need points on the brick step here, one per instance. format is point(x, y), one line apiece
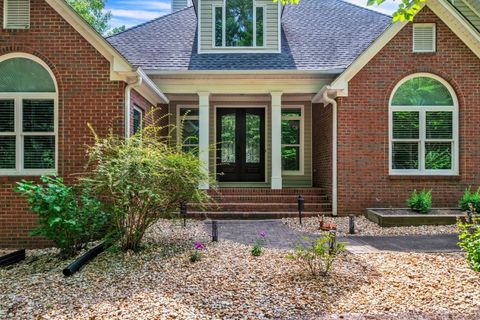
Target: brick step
point(267, 191)
point(267, 198)
point(252, 215)
point(263, 207)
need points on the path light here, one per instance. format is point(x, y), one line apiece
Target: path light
point(333, 241)
point(351, 221)
point(214, 231)
point(301, 207)
point(183, 212)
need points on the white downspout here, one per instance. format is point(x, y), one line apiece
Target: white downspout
point(128, 90)
point(327, 100)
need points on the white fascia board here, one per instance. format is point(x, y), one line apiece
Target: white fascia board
point(332, 71)
point(118, 64)
point(150, 91)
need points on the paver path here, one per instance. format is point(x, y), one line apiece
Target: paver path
point(279, 236)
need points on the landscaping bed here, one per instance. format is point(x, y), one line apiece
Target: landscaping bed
point(160, 282)
point(397, 217)
point(365, 227)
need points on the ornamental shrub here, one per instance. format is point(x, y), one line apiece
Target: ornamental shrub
point(142, 179)
point(69, 216)
point(420, 202)
point(469, 239)
point(470, 198)
point(318, 255)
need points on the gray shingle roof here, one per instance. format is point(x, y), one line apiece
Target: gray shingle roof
point(316, 35)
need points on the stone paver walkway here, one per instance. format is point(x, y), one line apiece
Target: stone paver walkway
point(279, 236)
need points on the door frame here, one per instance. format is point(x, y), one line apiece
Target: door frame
point(239, 106)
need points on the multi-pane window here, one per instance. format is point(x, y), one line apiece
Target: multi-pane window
point(292, 139)
point(27, 118)
point(137, 120)
point(424, 132)
point(189, 129)
point(239, 23)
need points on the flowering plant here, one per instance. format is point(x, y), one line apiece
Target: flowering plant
point(257, 247)
point(198, 247)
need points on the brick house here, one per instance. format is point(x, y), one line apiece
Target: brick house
point(324, 99)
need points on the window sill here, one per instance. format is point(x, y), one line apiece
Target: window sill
point(425, 177)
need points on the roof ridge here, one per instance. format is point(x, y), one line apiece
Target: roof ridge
point(364, 8)
point(148, 22)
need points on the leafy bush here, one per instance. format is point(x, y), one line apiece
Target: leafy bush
point(420, 202)
point(143, 179)
point(68, 216)
point(258, 245)
point(469, 239)
point(318, 255)
point(470, 198)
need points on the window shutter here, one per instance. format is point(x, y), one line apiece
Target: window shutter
point(424, 37)
point(16, 14)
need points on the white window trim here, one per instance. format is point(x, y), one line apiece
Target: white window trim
point(422, 110)
point(137, 108)
point(254, 46)
point(179, 120)
point(18, 96)
point(434, 49)
point(301, 170)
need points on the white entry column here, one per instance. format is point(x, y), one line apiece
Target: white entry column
point(276, 182)
point(203, 143)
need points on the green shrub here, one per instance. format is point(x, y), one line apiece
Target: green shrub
point(420, 202)
point(68, 215)
point(256, 250)
point(469, 240)
point(470, 198)
point(319, 254)
point(143, 179)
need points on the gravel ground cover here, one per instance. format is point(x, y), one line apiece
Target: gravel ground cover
point(365, 227)
point(228, 283)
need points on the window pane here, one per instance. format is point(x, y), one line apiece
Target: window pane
point(438, 155)
point(439, 125)
point(137, 121)
point(7, 116)
point(406, 125)
point(38, 116)
point(194, 112)
point(39, 152)
point(191, 132)
point(405, 155)
point(24, 75)
point(259, 17)
point(290, 131)
point(228, 135)
point(291, 113)
point(422, 91)
point(253, 138)
point(218, 26)
point(7, 152)
point(291, 158)
point(239, 23)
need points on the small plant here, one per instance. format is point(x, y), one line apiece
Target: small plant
point(470, 198)
point(420, 202)
point(319, 254)
point(258, 245)
point(196, 254)
point(469, 238)
point(68, 215)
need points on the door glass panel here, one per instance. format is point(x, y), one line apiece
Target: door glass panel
point(228, 122)
point(252, 135)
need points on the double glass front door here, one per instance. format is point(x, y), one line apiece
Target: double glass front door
point(241, 144)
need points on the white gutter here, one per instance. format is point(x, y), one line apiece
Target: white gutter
point(147, 81)
point(128, 91)
point(326, 101)
point(331, 71)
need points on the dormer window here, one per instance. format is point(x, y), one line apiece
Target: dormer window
point(239, 23)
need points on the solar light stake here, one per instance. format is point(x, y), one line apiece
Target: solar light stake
point(301, 207)
point(214, 231)
point(183, 212)
point(351, 220)
point(333, 241)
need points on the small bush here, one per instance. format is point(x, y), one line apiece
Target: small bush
point(68, 215)
point(258, 245)
point(469, 239)
point(470, 198)
point(318, 255)
point(195, 255)
point(420, 202)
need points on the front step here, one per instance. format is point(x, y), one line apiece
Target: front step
point(232, 215)
point(267, 191)
point(263, 207)
point(267, 198)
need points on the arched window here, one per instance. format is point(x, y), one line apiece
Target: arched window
point(28, 116)
point(423, 127)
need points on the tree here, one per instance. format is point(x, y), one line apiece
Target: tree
point(406, 8)
point(93, 12)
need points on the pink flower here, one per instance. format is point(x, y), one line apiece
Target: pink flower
point(199, 246)
point(263, 233)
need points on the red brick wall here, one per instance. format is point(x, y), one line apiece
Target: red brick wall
point(322, 147)
point(363, 122)
point(86, 95)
